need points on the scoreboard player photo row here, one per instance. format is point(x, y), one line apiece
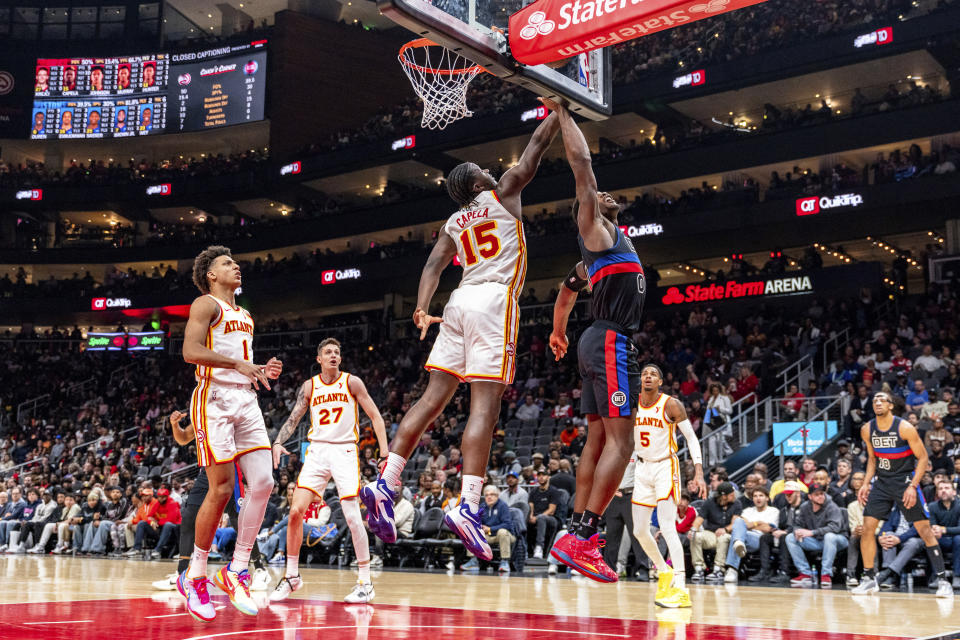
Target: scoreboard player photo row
point(142, 95)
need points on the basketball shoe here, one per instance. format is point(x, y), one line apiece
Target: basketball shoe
point(168, 583)
point(584, 556)
point(198, 599)
point(362, 592)
point(867, 585)
point(378, 499)
point(237, 586)
point(677, 598)
point(664, 584)
point(466, 524)
point(285, 587)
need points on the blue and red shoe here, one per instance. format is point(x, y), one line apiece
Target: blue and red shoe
point(467, 525)
point(194, 590)
point(378, 499)
point(583, 556)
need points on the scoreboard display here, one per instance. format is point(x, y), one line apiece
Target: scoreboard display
point(149, 94)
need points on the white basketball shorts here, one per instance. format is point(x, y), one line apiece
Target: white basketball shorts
point(656, 481)
point(228, 422)
point(324, 461)
point(478, 335)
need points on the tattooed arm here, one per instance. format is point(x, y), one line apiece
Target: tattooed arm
point(290, 425)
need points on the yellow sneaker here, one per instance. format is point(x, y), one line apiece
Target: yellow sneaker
point(664, 584)
point(237, 586)
point(676, 599)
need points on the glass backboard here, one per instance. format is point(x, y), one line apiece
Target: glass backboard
point(476, 29)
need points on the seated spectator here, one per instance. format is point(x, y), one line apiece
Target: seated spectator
point(939, 460)
point(938, 433)
point(45, 513)
point(822, 478)
point(563, 409)
point(861, 411)
point(945, 521)
point(568, 433)
point(432, 499)
point(529, 410)
point(69, 519)
point(792, 402)
point(510, 464)
point(454, 463)
point(819, 526)
point(273, 542)
point(437, 460)
point(91, 512)
point(403, 515)
point(544, 502)
point(927, 361)
point(808, 470)
point(899, 542)
point(451, 494)
point(840, 488)
point(18, 536)
point(10, 516)
point(498, 527)
point(755, 522)
point(514, 495)
point(711, 530)
point(936, 408)
point(746, 491)
point(223, 538)
point(918, 397)
point(790, 474)
point(563, 478)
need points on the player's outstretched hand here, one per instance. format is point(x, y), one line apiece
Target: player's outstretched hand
point(552, 104)
point(254, 373)
point(278, 450)
point(423, 320)
point(909, 497)
point(273, 368)
point(559, 345)
point(863, 493)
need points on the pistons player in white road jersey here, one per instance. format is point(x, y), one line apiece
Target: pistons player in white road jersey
point(332, 398)
point(229, 427)
point(657, 481)
point(477, 339)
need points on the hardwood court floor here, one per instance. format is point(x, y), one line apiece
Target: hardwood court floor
point(87, 598)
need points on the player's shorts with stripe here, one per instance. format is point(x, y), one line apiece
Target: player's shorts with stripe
point(478, 335)
point(887, 493)
point(228, 422)
point(326, 460)
point(655, 481)
point(610, 371)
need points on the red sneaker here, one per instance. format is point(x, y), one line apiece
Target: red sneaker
point(826, 582)
point(802, 581)
point(583, 556)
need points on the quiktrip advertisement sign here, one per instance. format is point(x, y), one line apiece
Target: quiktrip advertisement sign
point(549, 30)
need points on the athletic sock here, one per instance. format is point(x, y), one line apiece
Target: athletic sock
point(575, 519)
point(471, 489)
point(679, 580)
point(870, 573)
point(588, 525)
point(363, 571)
point(936, 561)
point(241, 558)
point(198, 563)
point(182, 565)
point(293, 566)
point(391, 472)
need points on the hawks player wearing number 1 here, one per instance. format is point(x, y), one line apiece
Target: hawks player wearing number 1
point(478, 332)
point(332, 397)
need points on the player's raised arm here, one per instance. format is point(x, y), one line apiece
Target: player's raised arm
point(441, 255)
point(678, 415)
point(203, 312)
point(182, 435)
point(359, 391)
point(299, 408)
point(589, 221)
point(871, 464)
point(566, 299)
point(513, 181)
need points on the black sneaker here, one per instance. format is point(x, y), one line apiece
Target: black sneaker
point(715, 577)
point(697, 575)
point(779, 578)
point(888, 580)
point(762, 576)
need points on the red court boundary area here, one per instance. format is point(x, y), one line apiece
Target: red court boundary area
point(164, 617)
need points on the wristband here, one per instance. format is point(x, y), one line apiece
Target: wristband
point(574, 282)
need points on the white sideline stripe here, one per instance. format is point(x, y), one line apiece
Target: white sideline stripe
point(185, 613)
point(58, 622)
point(411, 626)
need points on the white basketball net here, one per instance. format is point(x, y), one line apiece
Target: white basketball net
point(440, 77)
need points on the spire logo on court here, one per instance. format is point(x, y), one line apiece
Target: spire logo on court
point(538, 25)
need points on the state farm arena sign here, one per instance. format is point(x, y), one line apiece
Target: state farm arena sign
point(734, 290)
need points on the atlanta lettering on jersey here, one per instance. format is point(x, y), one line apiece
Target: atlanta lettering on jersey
point(237, 325)
point(330, 397)
point(650, 421)
point(465, 219)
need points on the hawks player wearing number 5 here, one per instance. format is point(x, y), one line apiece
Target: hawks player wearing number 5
point(229, 428)
point(478, 332)
point(898, 459)
point(332, 397)
point(657, 481)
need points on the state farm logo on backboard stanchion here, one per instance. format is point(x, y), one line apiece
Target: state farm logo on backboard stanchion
point(537, 25)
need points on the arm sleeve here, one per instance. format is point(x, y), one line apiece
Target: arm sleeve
point(693, 443)
point(574, 282)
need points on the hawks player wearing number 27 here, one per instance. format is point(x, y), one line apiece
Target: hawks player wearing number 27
point(478, 331)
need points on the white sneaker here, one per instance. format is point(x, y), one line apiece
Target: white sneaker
point(732, 576)
point(3, 548)
point(362, 592)
point(740, 548)
point(867, 585)
point(944, 589)
point(376, 562)
point(551, 569)
point(39, 550)
point(285, 587)
point(538, 552)
point(167, 584)
point(261, 580)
